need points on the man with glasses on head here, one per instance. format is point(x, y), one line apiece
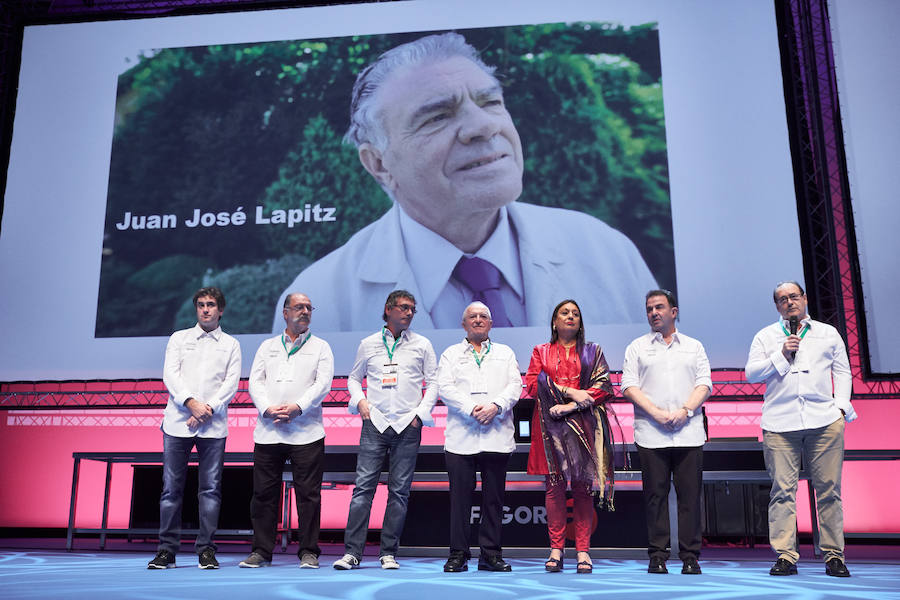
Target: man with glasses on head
point(480, 382)
point(201, 373)
point(808, 385)
point(291, 374)
point(394, 362)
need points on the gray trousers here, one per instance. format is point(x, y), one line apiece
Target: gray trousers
point(823, 450)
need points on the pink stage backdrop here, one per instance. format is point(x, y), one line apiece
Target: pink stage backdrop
point(37, 447)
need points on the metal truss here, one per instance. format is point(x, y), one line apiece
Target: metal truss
point(728, 384)
point(805, 88)
point(150, 393)
point(823, 191)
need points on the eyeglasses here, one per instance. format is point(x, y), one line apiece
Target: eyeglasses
point(781, 301)
point(411, 308)
point(302, 307)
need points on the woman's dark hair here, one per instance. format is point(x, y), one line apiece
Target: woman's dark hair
point(579, 337)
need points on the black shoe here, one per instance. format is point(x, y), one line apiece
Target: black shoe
point(783, 566)
point(836, 568)
point(493, 562)
point(207, 560)
point(657, 565)
point(456, 564)
point(690, 566)
point(553, 565)
point(163, 560)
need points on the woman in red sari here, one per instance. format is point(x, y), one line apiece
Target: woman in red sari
point(570, 439)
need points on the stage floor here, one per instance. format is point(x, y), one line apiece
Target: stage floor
point(50, 573)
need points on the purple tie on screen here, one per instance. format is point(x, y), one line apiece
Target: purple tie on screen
point(483, 279)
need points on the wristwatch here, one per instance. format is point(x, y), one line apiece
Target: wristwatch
point(689, 412)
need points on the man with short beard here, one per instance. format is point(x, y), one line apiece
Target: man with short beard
point(291, 374)
point(808, 385)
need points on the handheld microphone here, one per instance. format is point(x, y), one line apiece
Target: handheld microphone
point(794, 321)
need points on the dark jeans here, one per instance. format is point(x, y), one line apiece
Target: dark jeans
point(685, 468)
point(176, 450)
point(461, 472)
point(307, 465)
point(401, 450)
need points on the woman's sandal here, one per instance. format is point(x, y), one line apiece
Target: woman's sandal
point(553, 565)
point(584, 567)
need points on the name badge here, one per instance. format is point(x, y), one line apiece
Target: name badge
point(478, 387)
point(800, 365)
point(389, 375)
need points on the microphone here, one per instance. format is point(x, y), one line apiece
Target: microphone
point(794, 321)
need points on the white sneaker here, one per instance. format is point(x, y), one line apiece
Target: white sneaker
point(346, 562)
point(389, 562)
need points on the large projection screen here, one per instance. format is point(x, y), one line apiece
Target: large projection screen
point(701, 136)
point(865, 50)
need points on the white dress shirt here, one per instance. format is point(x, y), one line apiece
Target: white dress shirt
point(280, 375)
point(463, 385)
point(395, 405)
point(375, 260)
point(809, 392)
point(667, 374)
point(441, 295)
point(205, 366)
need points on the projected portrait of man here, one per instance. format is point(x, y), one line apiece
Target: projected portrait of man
point(429, 121)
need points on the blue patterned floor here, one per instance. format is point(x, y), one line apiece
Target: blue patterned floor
point(51, 574)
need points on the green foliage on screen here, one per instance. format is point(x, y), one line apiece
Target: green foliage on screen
point(249, 304)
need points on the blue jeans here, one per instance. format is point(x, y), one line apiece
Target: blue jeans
point(401, 450)
point(211, 452)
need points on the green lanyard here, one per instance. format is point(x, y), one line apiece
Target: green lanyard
point(390, 351)
point(480, 358)
point(293, 351)
point(802, 333)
